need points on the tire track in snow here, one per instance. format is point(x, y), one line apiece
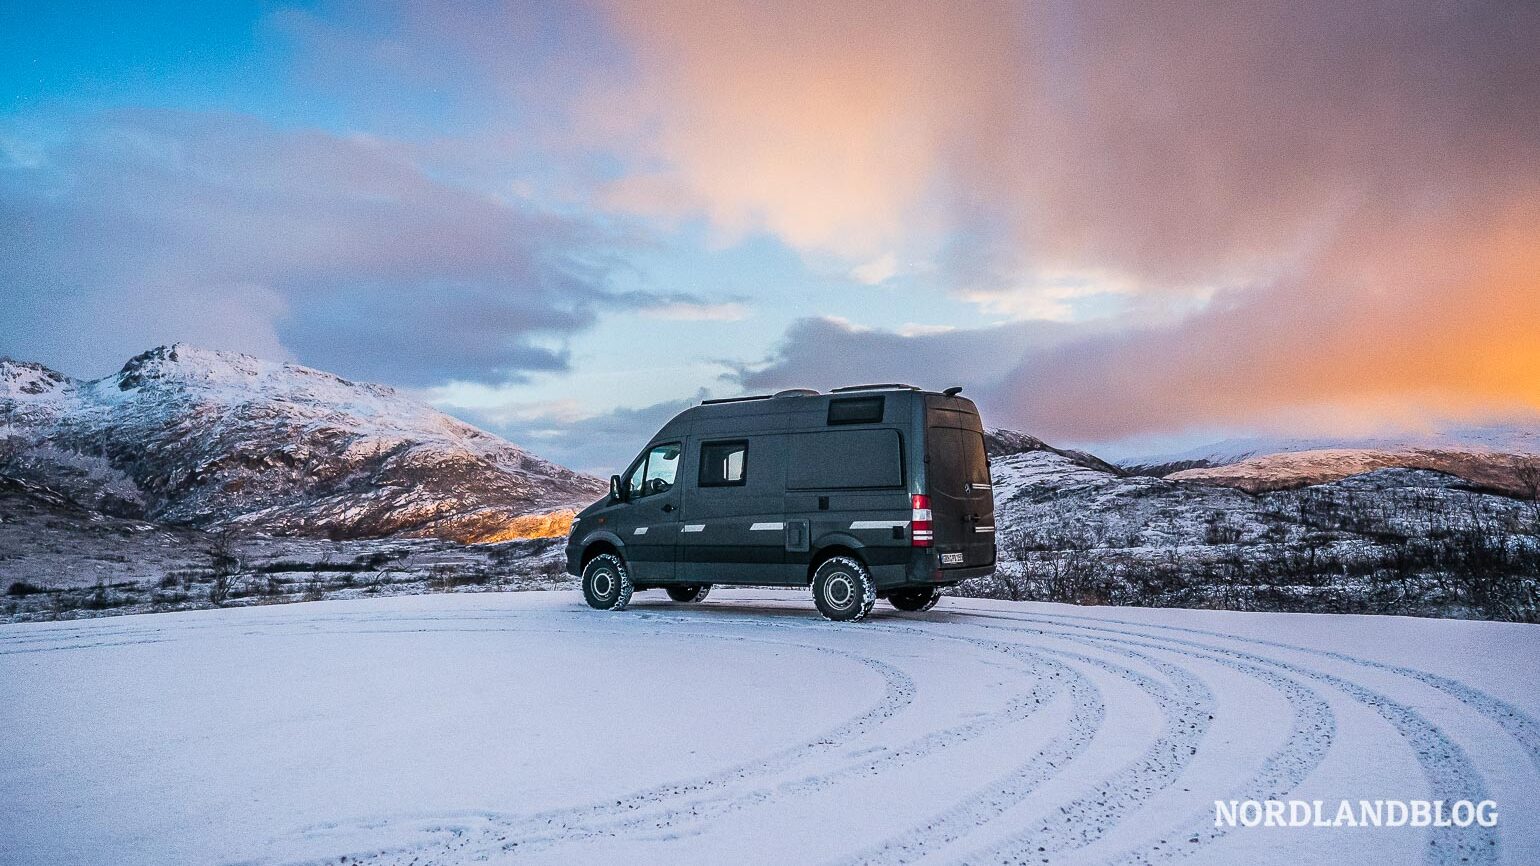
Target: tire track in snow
point(1447, 768)
point(899, 691)
point(575, 821)
point(1172, 750)
point(699, 811)
point(1312, 732)
point(1523, 728)
point(1186, 710)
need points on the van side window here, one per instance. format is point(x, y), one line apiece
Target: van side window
point(656, 473)
point(845, 459)
point(856, 410)
point(723, 464)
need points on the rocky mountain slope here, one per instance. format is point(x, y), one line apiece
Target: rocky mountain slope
point(1387, 540)
point(198, 438)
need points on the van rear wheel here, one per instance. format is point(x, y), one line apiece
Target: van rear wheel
point(843, 589)
point(915, 599)
point(606, 583)
point(688, 594)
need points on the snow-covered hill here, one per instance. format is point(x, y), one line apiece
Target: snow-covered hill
point(999, 442)
point(1500, 456)
point(203, 438)
point(525, 728)
point(1388, 540)
point(1516, 473)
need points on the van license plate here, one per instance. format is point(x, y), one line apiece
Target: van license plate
point(951, 559)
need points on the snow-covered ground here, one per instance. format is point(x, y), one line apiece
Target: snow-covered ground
point(524, 727)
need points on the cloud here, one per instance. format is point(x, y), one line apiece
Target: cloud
point(697, 311)
point(829, 352)
point(1279, 210)
point(1439, 323)
point(876, 271)
point(601, 444)
point(146, 227)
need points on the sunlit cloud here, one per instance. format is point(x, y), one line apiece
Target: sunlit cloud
point(1277, 209)
point(876, 271)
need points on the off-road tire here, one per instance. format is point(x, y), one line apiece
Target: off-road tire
point(607, 572)
point(915, 599)
point(843, 589)
point(689, 594)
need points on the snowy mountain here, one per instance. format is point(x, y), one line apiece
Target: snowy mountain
point(1503, 457)
point(202, 438)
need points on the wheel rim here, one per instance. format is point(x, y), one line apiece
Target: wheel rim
point(838, 590)
point(603, 583)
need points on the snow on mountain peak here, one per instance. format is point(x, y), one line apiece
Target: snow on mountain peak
point(23, 380)
point(213, 437)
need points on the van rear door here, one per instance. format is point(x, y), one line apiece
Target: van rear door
point(962, 502)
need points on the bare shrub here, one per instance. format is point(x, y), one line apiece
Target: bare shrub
point(222, 585)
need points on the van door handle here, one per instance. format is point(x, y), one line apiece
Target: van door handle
point(667, 507)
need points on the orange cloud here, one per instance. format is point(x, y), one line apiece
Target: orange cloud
point(825, 123)
point(1353, 186)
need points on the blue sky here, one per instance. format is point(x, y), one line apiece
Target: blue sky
point(566, 220)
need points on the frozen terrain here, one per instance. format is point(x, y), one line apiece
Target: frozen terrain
point(524, 727)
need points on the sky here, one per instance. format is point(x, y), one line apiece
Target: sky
point(1117, 226)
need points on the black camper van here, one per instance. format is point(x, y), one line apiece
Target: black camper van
point(872, 491)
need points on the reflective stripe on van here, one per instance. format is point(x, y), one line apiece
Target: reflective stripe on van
point(774, 526)
point(879, 524)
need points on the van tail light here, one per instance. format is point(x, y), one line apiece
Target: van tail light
point(920, 532)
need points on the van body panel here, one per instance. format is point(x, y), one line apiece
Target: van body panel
point(766, 487)
point(736, 529)
point(598, 536)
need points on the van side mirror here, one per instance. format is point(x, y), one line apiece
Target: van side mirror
point(615, 488)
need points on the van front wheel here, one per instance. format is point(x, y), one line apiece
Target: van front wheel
point(843, 589)
point(921, 598)
point(687, 594)
point(606, 583)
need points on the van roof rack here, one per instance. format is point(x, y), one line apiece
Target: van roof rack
point(735, 399)
point(885, 386)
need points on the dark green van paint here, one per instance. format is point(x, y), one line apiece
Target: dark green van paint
point(759, 490)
